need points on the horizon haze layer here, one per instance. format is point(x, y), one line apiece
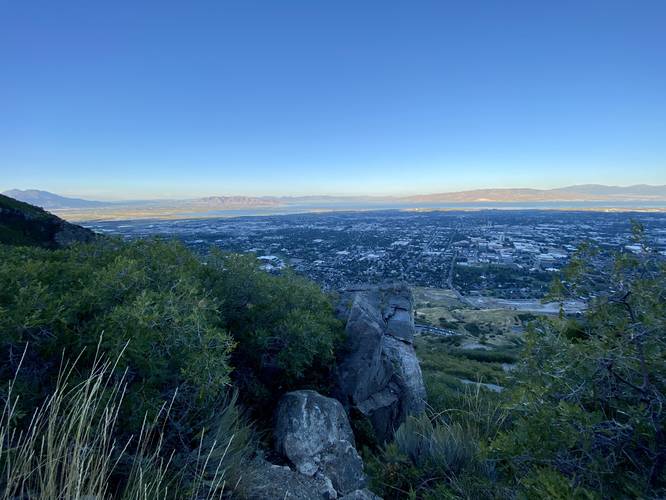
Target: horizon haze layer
point(580, 192)
point(582, 197)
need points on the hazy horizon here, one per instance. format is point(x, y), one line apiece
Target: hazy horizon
point(312, 195)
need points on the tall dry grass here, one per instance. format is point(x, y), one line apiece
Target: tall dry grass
point(69, 449)
point(480, 414)
point(449, 445)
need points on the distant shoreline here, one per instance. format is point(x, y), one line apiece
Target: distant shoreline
point(111, 215)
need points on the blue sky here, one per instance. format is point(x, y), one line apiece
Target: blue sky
point(161, 99)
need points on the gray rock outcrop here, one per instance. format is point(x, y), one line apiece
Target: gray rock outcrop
point(313, 433)
point(379, 374)
point(267, 481)
point(361, 495)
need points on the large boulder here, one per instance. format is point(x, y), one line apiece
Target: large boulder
point(313, 433)
point(378, 373)
point(363, 369)
point(406, 365)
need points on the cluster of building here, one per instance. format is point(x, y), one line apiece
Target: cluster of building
point(512, 254)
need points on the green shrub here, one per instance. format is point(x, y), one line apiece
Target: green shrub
point(494, 356)
point(588, 404)
point(183, 317)
point(149, 293)
point(284, 326)
point(445, 323)
point(473, 329)
point(544, 482)
point(431, 460)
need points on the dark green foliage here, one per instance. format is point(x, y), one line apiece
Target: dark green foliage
point(176, 320)
point(493, 356)
point(588, 410)
point(581, 417)
point(473, 328)
point(174, 310)
point(443, 455)
point(31, 211)
point(451, 325)
point(284, 326)
point(147, 296)
point(25, 224)
point(363, 432)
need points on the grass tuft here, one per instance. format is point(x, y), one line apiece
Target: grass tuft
point(69, 449)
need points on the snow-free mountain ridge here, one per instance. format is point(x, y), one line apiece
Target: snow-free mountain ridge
point(579, 193)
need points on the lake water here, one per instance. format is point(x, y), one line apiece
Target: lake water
point(355, 206)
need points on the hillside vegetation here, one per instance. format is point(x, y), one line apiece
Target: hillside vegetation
point(165, 323)
point(25, 224)
point(141, 370)
point(580, 414)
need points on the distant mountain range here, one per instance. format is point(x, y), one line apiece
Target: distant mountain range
point(581, 193)
point(47, 200)
point(51, 201)
point(584, 192)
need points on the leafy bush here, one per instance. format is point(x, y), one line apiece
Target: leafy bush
point(544, 482)
point(588, 406)
point(177, 310)
point(171, 320)
point(148, 292)
point(284, 326)
point(494, 356)
point(582, 416)
point(432, 459)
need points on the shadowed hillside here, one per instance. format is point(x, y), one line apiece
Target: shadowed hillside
point(25, 224)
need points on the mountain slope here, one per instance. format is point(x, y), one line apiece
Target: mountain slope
point(25, 224)
point(78, 209)
point(48, 200)
point(588, 192)
point(637, 191)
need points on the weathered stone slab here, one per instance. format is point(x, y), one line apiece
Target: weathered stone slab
point(379, 373)
point(313, 433)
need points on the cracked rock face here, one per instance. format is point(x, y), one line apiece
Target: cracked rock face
point(399, 317)
point(379, 373)
point(406, 365)
point(313, 432)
